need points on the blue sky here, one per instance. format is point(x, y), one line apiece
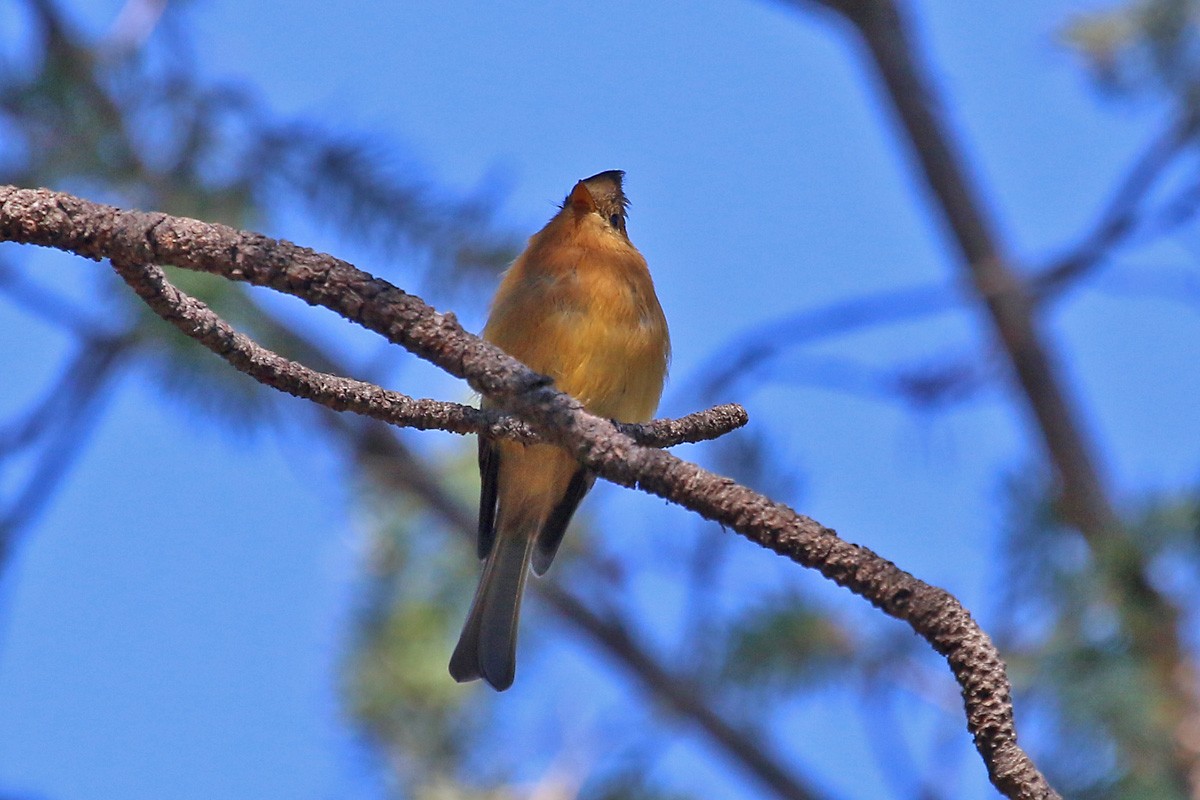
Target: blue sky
point(162, 634)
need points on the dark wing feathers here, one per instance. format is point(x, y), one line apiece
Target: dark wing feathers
point(489, 472)
point(551, 535)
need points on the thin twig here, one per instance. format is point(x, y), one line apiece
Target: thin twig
point(764, 342)
point(1121, 218)
point(684, 699)
point(195, 319)
point(88, 374)
point(1123, 214)
point(48, 305)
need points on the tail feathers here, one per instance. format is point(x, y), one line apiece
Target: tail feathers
point(487, 647)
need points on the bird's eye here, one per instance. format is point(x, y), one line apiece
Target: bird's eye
point(615, 221)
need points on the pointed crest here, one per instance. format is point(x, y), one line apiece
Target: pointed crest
point(581, 198)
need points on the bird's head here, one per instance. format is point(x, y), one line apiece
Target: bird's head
point(602, 195)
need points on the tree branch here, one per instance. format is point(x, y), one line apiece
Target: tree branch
point(133, 238)
point(1149, 618)
point(682, 698)
point(77, 395)
point(1121, 218)
point(1122, 215)
point(48, 305)
point(401, 470)
point(916, 102)
point(196, 320)
point(764, 342)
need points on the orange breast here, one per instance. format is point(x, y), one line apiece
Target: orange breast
point(585, 313)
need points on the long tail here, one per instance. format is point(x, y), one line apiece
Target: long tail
point(487, 647)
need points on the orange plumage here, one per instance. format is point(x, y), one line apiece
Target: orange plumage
point(577, 305)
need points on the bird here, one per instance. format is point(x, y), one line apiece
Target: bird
point(578, 305)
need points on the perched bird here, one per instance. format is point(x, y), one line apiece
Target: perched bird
point(579, 306)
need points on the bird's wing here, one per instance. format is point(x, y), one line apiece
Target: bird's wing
point(551, 534)
point(489, 472)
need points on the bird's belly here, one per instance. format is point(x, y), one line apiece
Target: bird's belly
point(615, 368)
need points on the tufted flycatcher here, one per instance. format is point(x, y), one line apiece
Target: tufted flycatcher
point(579, 306)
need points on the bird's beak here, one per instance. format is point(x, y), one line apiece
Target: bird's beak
point(581, 199)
